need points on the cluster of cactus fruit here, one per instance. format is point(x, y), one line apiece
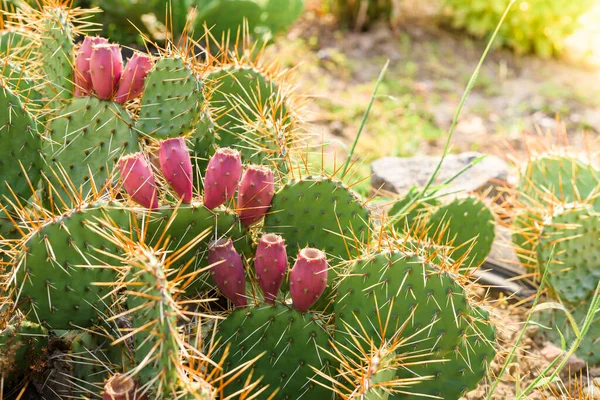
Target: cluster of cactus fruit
point(556, 231)
point(150, 216)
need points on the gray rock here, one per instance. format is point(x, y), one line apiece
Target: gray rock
point(398, 175)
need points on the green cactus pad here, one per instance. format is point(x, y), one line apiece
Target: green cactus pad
point(20, 155)
point(190, 221)
point(202, 149)
point(150, 299)
point(469, 225)
point(56, 52)
point(417, 212)
point(172, 100)
point(15, 43)
point(21, 346)
point(86, 139)
point(569, 247)
point(429, 307)
point(245, 100)
point(53, 285)
point(526, 231)
point(459, 372)
point(226, 17)
point(319, 212)
point(22, 85)
point(292, 343)
point(88, 361)
point(559, 178)
point(280, 14)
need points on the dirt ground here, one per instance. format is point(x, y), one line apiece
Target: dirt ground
point(428, 72)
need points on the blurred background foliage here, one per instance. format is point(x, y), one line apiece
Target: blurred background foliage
point(533, 26)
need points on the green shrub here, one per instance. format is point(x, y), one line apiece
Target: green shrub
point(532, 26)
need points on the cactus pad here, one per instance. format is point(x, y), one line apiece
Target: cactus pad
point(429, 307)
point(569, 248)
point(245, 100)
point(469, 225)
point(292, 343)
point(86, 139)
point(20, 346)
point(20, 157)
point(321, 213)
point(171, 103)
point(56, 52)
point(189, 221)
point(52, 282)
point(565, 178)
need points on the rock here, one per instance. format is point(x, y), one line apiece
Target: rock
point(574, 364)
point(550, 352)
point(398, 175)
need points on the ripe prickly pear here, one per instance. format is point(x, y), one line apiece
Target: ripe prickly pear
point(255, 193)
point(106, 66)
point(308, 278)
point(121, 387)
point(176, 166)
point(228, 270)
point(83, 79)
point(138, 180)
point(222, 177)
point(131, 84)
point(270, 264)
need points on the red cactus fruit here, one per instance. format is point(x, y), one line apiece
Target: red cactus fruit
point(255, 193)
point(83, 79)
point(121, 387)
point(131, 84)
point(106, 66)
point(138, 180)
point(176, 166)
point(228, 270)
point(270, 264)
point(308, 278)
point(222, 177)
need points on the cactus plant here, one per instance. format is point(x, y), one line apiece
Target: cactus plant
point(142, 291)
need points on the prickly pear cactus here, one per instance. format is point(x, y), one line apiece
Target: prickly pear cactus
point(468, 225)
point(322, 213)
point(21, 346)
point(568, 248)
point(395, 284)
point(54, 276)
point(554, 177)
point(172, 99)
point(250, 114)
point(183, 225)
point(85, 140)
point(20, 155)
point(56, 51)
point(283, 346)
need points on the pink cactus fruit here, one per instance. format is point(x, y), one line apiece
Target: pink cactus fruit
point(228, 270)
point(255, 193)
point(270, 264)
point(138, 180)
point(308, 278)
point(131, 84)
point(106, 67)
point(83, 79)
point(222, 177)
point(122, 387)
point(176, 166)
